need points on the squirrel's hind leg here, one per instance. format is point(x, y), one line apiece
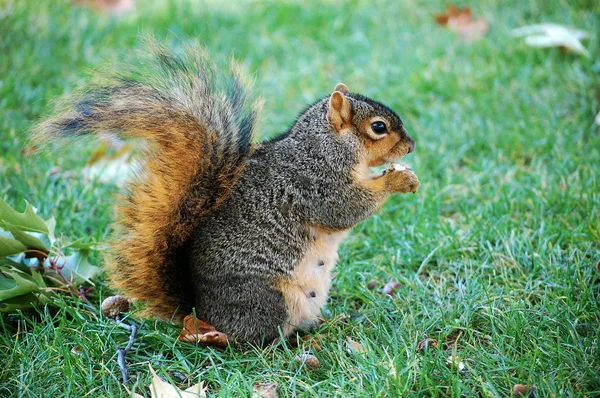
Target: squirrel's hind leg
point(247, 308)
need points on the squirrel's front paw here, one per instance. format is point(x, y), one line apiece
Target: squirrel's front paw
point(401, 179)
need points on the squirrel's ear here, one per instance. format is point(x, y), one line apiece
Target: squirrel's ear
point(340, 114)
point(342, 88)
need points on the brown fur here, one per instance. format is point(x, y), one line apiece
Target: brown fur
point(198, 139)
point(247, 235)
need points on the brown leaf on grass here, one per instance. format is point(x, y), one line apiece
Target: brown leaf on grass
point(521, 390)
point(355, 346)
point(460, 20)
point(200, 332)
point(598, 266)
point(265, 390)
point(161, 389)
point(426, 343)
point(390, 288)
point(310, 360)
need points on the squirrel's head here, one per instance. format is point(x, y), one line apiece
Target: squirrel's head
point(377, 127)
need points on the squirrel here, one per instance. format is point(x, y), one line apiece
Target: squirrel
point(244, 233)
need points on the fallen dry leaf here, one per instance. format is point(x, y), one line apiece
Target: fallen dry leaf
point(426, 343)
point(460, 20)
point(390, 288)
point(355, 346)
point(265, 390)
point(521, 390)
point(198, 331)
point(309, 359)
point(554, 35)
point(161, 389)
point(598, 266)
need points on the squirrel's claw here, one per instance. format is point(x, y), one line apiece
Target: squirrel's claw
point(401, 179)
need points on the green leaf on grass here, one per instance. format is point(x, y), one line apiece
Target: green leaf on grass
point(51, 224)
point(27, 279)
point(26, 221)
point(15, 283)
point(10, 246)
point(30, 241)
point(22, 302)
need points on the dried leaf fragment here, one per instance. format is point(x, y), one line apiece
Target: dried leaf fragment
point(354, 346)
point(522, 390)
point(554, 35)
point(426, 343)
point(390, 288)
point(309, 359)
point(161, 389)
point(198, 331)
point(460, 20)
point(265, 390)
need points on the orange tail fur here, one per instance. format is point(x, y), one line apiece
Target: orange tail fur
point(198, 127)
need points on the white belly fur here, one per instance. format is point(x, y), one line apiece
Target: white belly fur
point(307, 290)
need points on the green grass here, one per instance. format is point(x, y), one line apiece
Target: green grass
point(498, 248)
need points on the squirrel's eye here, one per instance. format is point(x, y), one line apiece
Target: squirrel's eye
point(379, 127)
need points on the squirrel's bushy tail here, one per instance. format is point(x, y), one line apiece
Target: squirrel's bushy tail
point(198, 126)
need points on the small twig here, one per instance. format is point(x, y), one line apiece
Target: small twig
point(58, 270)
point(82, 293)
point(121, 352)
point(39, 254)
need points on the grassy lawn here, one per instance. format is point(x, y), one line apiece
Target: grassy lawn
point(495, 255)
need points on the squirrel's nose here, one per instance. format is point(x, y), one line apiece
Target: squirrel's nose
point(411, 147)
